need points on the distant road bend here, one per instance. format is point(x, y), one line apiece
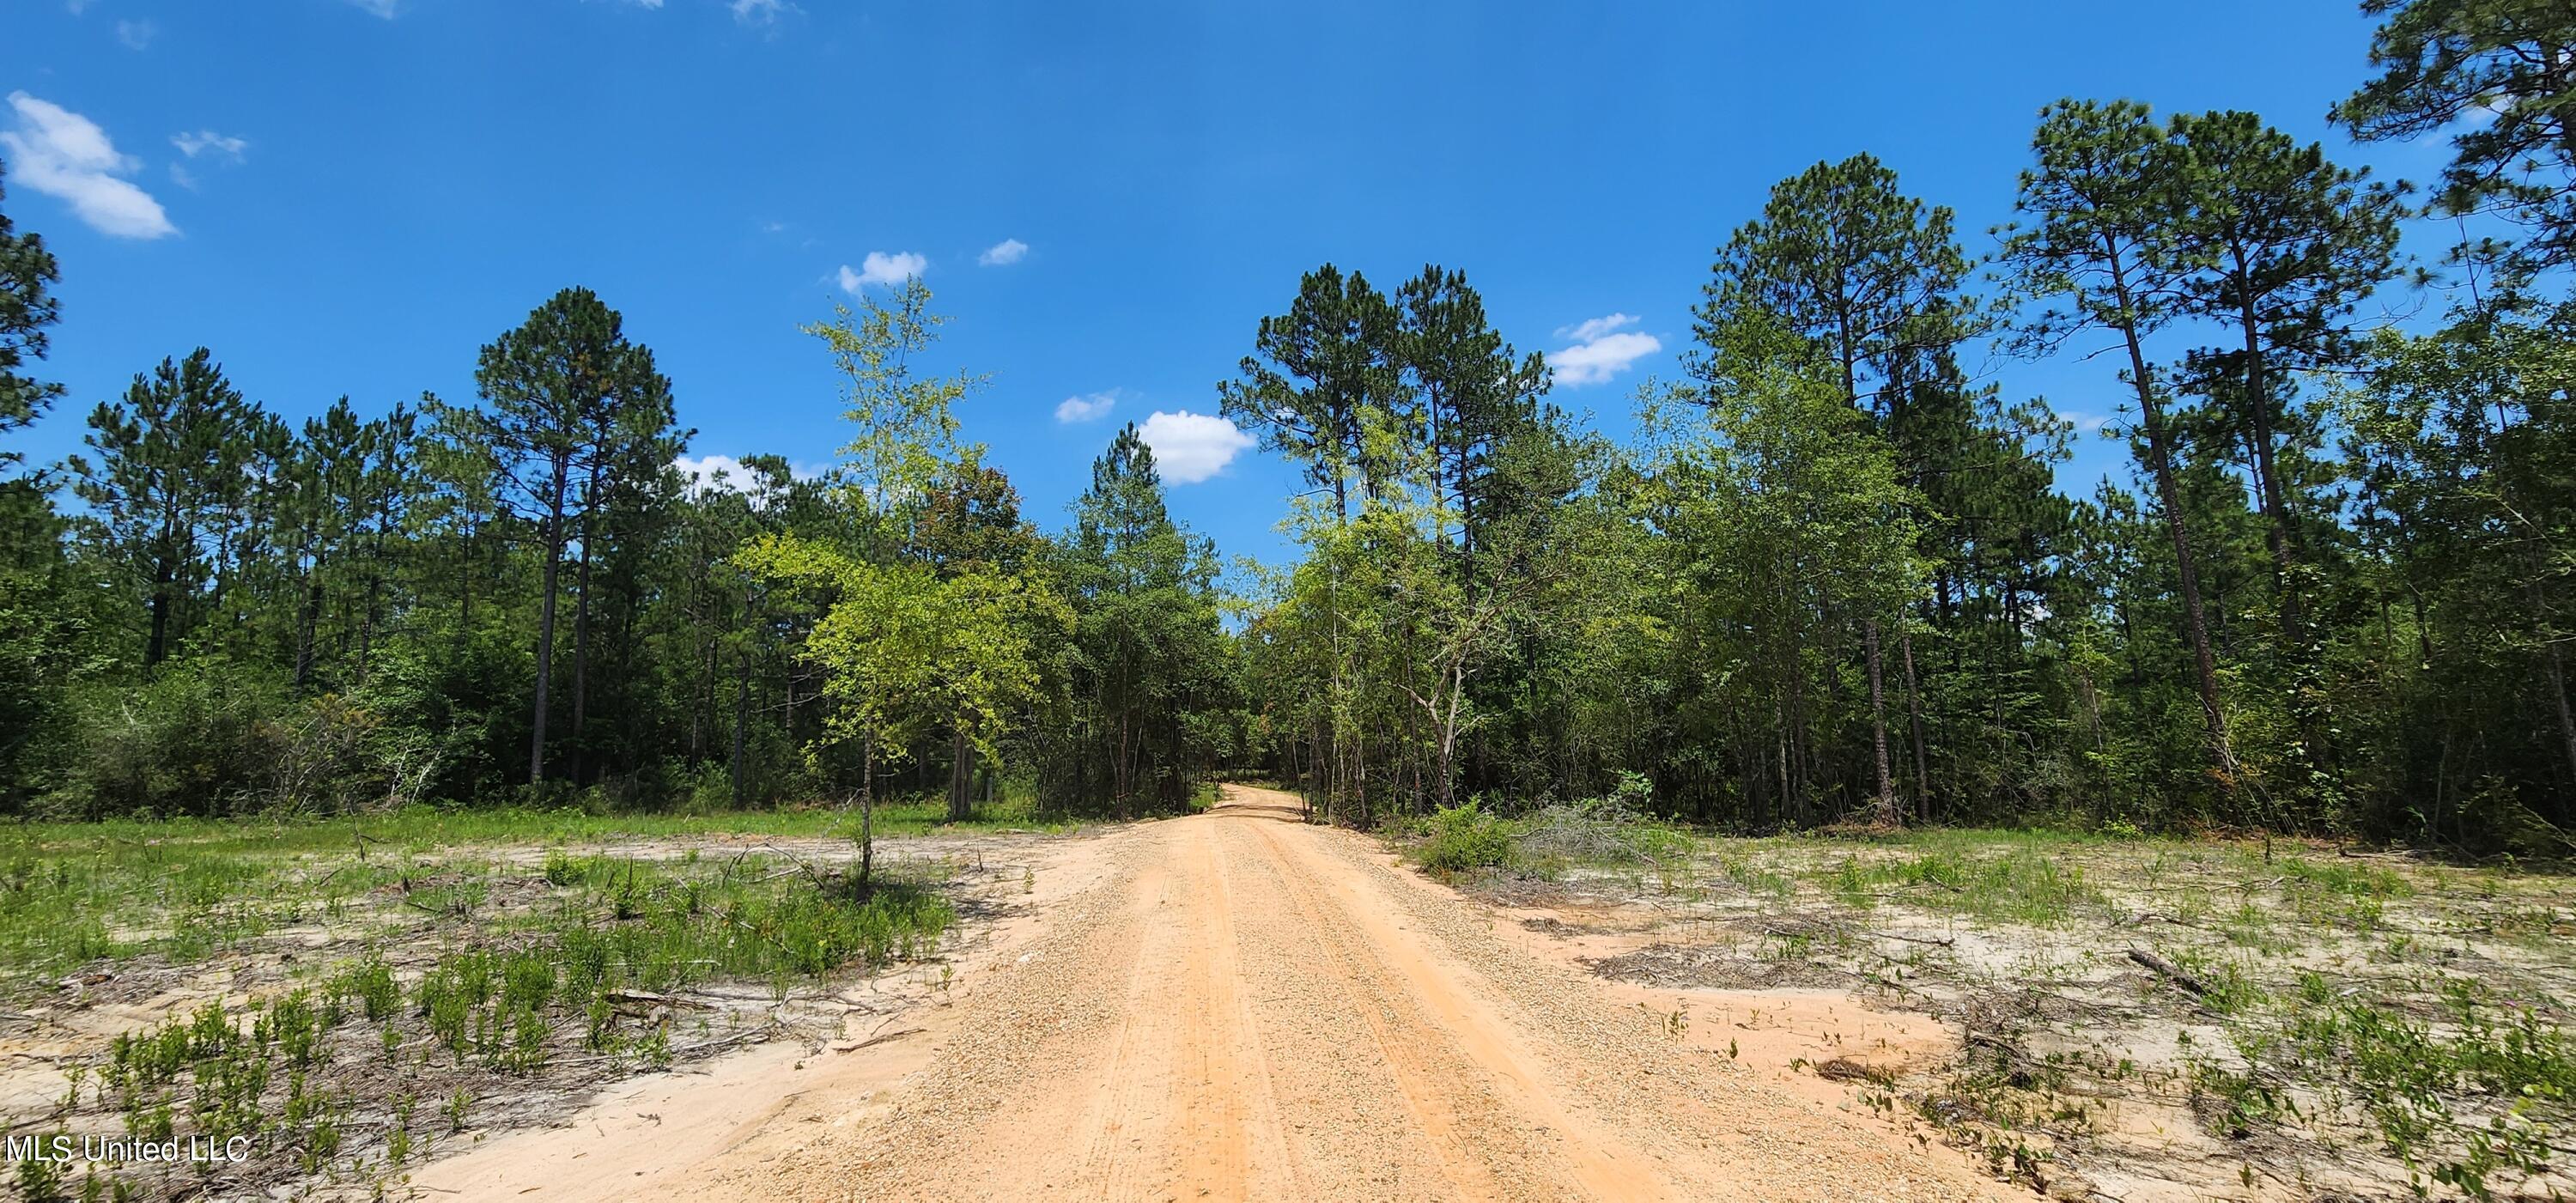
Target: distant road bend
point(1236, 1005)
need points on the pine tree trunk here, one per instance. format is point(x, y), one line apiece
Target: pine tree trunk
point(741, 720)
point(2281, 537)
point(581, 647)
point(158, 647)
point(546, 628)
point(1914, 722)
point(375, 594)
point(2222, 757)
point(311, 613)
point(1888, 813)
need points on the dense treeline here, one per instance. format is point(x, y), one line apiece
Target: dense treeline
point(523, 599)
point(1832, 578)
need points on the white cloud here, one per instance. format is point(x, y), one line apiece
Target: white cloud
point(731, 474)
point(76, 6)
point(2087, 423)
point(719, 471)
point(1188, 447)
point(1592, 330)
point(136, 34)
point(206, 140)
point(1086, 408)
point(180, 175)
point(382, 8)
point(68, 157)
point(882, 268)
point(1601, 350)
point(1004, 253)
point(760, 12)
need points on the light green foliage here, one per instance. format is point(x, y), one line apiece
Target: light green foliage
point(903, 424)
point(905, 649)
point(1782, 492)
point(2466, 1099)
point(1463, 838)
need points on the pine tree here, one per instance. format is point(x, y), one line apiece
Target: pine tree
point(27, 307)
point(568, 395)
point(169, 469)
point(1863, 280)
point(2282, 246)
point(2100, 247)
point(2500, 75)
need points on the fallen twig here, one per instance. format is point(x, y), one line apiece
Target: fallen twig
point(875, 1040)
point(2170, 971)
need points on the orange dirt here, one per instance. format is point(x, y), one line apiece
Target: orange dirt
point(1237, 1006)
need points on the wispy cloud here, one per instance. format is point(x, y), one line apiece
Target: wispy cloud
point(68, 157)
point(1188, 447)
point(387, 9)
point(1086, 408)
point(882, 268)
point(1584, 332)
point(1004, 253)
point(1602, 348)
point(760, 12)
point(136, 34)
point(206, 141)
point(2089, 423)
point(208, 145)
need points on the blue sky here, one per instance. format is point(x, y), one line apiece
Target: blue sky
point(351, 196)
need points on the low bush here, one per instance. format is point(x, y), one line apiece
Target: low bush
point(1458, 839)
point(1611, 830)
point(209, 738)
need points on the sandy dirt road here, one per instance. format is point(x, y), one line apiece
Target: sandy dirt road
point(1236, 1005)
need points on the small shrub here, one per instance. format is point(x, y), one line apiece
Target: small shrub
point(1463, 838)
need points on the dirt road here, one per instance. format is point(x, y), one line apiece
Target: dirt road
point(1236, 1005)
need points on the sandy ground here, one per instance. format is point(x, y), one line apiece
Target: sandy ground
point(1237, 1006)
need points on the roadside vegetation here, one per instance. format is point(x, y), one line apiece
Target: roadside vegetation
point(2142, 1017)
point(351, 997)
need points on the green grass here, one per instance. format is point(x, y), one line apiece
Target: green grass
point(2016, 883)
point(74, 894)
point(461, 949)
point(525, 965)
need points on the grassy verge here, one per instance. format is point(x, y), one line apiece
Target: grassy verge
point(342, 996)
point(73, 895)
